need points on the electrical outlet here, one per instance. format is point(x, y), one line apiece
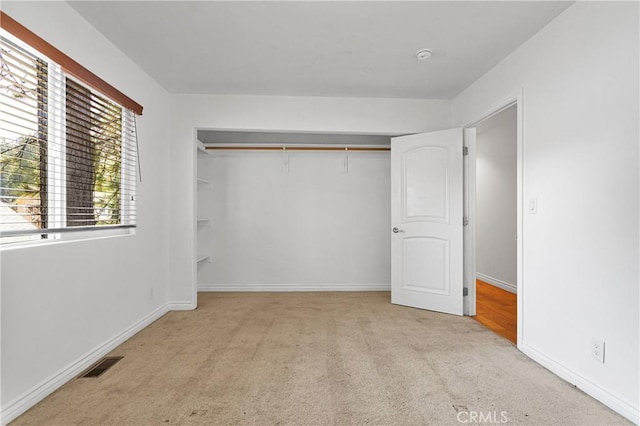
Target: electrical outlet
point(597, 349)
point(151, 293)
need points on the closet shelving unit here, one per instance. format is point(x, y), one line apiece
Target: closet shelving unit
point(202, 185)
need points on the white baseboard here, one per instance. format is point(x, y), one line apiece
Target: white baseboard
point(181, 306)
point(587, 386)
point(37, 393)
point(293, 287)
point(512, 288)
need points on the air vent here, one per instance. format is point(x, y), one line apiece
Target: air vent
point(97, 369)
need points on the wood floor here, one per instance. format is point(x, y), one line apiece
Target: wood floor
point(496, 309)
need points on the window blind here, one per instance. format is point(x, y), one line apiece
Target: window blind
point(100, 168)
point(68, 154)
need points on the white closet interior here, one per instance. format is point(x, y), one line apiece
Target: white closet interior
point(292, 211)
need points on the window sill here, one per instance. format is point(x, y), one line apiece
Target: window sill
point(76, 237)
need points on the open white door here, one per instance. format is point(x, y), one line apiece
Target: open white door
point(426, 217)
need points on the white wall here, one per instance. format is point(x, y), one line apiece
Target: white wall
point(62, 301)
point(496, 143)
point(579, 77)
point(312, 228)
point(310, 114)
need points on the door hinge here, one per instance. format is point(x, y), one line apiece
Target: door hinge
point(465, 150)
point(465, 291)
point(465, 221)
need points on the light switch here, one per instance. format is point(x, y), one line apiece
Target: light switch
point(532, 206)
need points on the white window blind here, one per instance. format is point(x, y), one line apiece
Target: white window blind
point(68, 154)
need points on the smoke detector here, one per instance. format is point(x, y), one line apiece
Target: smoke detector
point(423, 54)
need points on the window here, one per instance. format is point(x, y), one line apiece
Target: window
point(100, 169)
point(68, 154)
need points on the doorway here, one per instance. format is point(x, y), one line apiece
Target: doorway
point(496, 223)
point(512, 103)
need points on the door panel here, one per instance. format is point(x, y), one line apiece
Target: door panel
point(426, 214)
point(426, 265)
point(425, 190)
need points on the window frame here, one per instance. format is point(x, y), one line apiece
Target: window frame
point(56, 134)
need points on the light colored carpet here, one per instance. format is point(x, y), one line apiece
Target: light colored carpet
point(316, 359)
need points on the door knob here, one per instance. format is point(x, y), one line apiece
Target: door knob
point(396, 230)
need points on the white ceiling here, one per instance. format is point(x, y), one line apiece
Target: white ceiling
point(359, 49)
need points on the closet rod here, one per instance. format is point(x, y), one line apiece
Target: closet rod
point(298, 148)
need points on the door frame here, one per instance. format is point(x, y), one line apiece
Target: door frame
point(515, 98)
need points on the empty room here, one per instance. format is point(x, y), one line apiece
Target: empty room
point(319, 213)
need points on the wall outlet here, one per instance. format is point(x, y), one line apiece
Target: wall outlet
point(151, 293)
point(597, 349)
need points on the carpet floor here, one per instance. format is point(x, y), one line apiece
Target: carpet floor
point(317, 359)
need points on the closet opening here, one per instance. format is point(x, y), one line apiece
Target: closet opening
point(283, 211)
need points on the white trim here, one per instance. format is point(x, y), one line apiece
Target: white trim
point(40, 391)
point(186, 305)
point(512, 288)
point(469, 231)
point(288, 130)
point(293, 287)
point(587, 386)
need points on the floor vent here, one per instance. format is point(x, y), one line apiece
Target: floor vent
point(97, 369)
